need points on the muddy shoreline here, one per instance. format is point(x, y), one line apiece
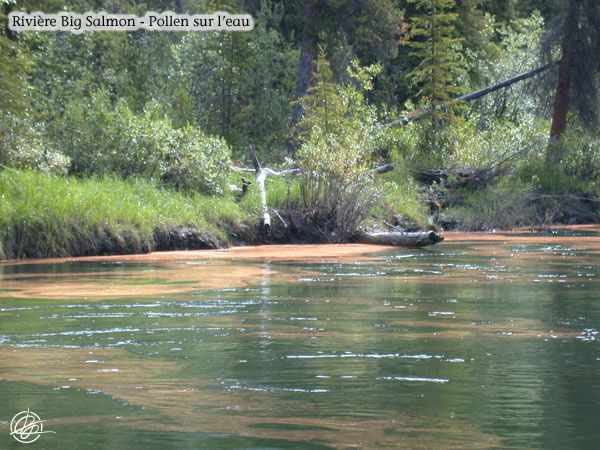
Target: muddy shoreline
point(185, 243)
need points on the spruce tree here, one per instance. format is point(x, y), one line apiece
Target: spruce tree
point(436, 44)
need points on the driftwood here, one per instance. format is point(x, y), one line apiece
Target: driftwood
point(398, 238)
point(459, 177)
point(261, 175)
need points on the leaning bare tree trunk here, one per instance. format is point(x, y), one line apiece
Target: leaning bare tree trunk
point(261, 175)
point(419, 239)
point(561, 100)
point(306, 68)
point(473, 95)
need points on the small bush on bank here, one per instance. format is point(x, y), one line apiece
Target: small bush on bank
point(506, 205)
point(582, 155)
point(400, 199)
point(22, 146)
point(338, 130)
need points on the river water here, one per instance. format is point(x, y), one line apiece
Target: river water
point(483, 341)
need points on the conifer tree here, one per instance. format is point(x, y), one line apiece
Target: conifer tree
point(436, 44)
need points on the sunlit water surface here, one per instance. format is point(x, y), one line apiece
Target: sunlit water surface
point(481, 342)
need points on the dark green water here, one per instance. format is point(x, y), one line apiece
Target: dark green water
point(470, 344)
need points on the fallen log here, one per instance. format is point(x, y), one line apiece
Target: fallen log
point(401, 239)
point(459, 177)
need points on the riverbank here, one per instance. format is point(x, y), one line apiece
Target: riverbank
point(45, 216)
point(52, 216)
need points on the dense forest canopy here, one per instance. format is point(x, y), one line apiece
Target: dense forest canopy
point(310, 87)
point(242, 87)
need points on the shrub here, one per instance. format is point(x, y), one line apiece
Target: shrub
point(506, 205)
point(22, 145)
point(101, 139)
point(336, 150)
point(582, 157)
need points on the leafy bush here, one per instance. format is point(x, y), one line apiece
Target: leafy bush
point(400, 198)
point(582, 158)
point(101, 139)
point(517, 51)
point(506, 205)
point(22, 145)
point(21, 139)
point(465, 143)
point(336, 149)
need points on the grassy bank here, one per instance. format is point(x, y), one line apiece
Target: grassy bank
point(44, 215)
point(48, 215)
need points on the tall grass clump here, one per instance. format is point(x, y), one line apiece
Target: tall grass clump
point(49, 215)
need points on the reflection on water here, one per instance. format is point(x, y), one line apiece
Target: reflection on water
point(483, 342)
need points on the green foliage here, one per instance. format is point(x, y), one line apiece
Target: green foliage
point(47, 215)
point(14, 66)
point(506, 205)
point(477, 29)
point(516, 51)
point(400, 196)
point(242, 86)
point(336, 149)
point(578, 173)
point(338, 125)
point(22, 145)
point(504, 140)
point(21, 138)
point(582, 158)
point(549, 179)
point(101, 139)
point(283, 194)
point(437, 46)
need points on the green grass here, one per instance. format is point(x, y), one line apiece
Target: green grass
point(503, 205)
point(48, 215)
point(44, 215)
point(282, 193)
point(399, 195)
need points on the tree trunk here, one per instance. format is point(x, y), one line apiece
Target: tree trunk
point(306, 68)
point(561, 100)
point(419, 239)
point(474, 95)
point(10, 34)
